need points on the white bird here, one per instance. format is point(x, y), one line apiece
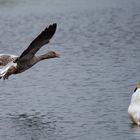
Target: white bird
point(134, 107)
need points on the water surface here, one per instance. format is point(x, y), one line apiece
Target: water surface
point(83, 95)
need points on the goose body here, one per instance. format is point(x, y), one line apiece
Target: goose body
point(14, 64)
point(134, 107)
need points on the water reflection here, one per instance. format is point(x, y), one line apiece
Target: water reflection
point(135, 129)
point(34, 126)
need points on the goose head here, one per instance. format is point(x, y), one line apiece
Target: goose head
point(52, 54)
point(48, 55)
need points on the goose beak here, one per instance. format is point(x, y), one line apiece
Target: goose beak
point(57, 55)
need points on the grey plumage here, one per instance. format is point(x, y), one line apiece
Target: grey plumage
point(27, 59)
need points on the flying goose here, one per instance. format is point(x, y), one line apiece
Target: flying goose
point(134, 107)
point(14, 64)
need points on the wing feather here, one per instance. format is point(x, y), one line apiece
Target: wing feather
point(7, 58)
point(42, 39)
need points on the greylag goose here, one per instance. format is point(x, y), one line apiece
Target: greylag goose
point(14, 64)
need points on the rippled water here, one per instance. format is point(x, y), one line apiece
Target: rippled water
point(83, 95)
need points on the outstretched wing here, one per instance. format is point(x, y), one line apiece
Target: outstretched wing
point(42, 39)
point(6, 58)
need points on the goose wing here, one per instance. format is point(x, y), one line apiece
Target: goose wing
point(42, 39)
point(7, 58)
point(4, 70)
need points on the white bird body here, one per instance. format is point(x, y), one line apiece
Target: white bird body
point(134, 107)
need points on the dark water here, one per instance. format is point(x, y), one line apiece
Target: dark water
point(83, 95)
